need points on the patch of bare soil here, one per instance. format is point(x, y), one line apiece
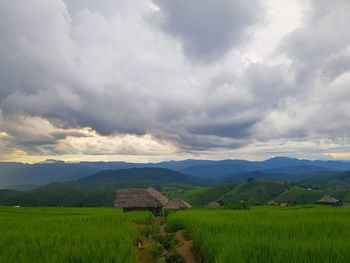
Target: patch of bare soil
point(185, 249)
point(143, 255)
point(162, 231)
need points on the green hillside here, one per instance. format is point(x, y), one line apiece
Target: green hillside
point(254, 192)
point(197, 196)
point(297, 195)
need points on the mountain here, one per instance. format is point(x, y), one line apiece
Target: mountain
point(217, 170)
point(29, 176)
point(289, 174)
point(281, 168)
point(96, 190)
point(133, 177)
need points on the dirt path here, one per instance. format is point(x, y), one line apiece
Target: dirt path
point(185, 249)
point(143, 256)
point(162, 231)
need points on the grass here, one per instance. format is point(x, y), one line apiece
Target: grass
point(68, 235)
point(268, 234)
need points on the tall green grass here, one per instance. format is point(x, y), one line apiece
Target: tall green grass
point(68, 235)
point(269, 234)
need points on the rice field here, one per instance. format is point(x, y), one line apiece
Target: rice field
point(268, 234)
point(68, 235)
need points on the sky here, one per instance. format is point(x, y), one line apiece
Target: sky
point(152, 80)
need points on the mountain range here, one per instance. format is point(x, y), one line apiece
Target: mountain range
point(199, 182)
point(22, 176)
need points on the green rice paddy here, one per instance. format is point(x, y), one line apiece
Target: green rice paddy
point(268, 234)
point(260, 234)
point(68, 235)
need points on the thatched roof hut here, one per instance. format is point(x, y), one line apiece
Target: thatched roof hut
point(141, 199)
point(272, 203)
point(177, 204)
point(214, 205)
point(328, 200)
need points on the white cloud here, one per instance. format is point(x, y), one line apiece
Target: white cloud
point(113, 69)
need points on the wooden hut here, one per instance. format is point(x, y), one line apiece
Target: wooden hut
point(214, 205)
point(329, 200)
point(140, 199)
point(177, 204)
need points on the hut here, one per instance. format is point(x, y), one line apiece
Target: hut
point(214, 205)
point(177, 204)
point(272, 203)
point(136, 199)
point(328, 200)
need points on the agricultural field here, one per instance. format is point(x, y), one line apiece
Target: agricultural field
point(68, 235)
point(268, 234)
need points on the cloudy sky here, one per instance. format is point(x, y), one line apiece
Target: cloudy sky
point(149, 80)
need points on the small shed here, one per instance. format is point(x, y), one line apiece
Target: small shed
point(329, 200)
point(177, 204)
point(136, 199)
point(214, 205)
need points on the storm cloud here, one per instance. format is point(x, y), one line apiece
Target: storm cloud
point(208, 29)
point(171, 78)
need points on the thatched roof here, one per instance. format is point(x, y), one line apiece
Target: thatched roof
point(328, 199)
point(127, 198)
point(214, 205)
point(177, 204)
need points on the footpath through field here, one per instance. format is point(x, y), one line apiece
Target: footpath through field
point(185, 250)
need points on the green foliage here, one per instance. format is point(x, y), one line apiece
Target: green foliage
point(155, 251)
point(268, 234)
point(168, 242)
point(174, 258)
point(237, 205)
point(59, 235)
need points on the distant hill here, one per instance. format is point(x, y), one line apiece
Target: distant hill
point(96, 190)
point(254, 192)
point(289, 174)
point(297, 195)
point(327, 180)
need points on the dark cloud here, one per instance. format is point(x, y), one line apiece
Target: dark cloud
point(209, 29)
point(70, 67)
point(321, 41)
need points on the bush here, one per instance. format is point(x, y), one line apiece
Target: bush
point(155, 251)
point(169, 241)
point(174, 258)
